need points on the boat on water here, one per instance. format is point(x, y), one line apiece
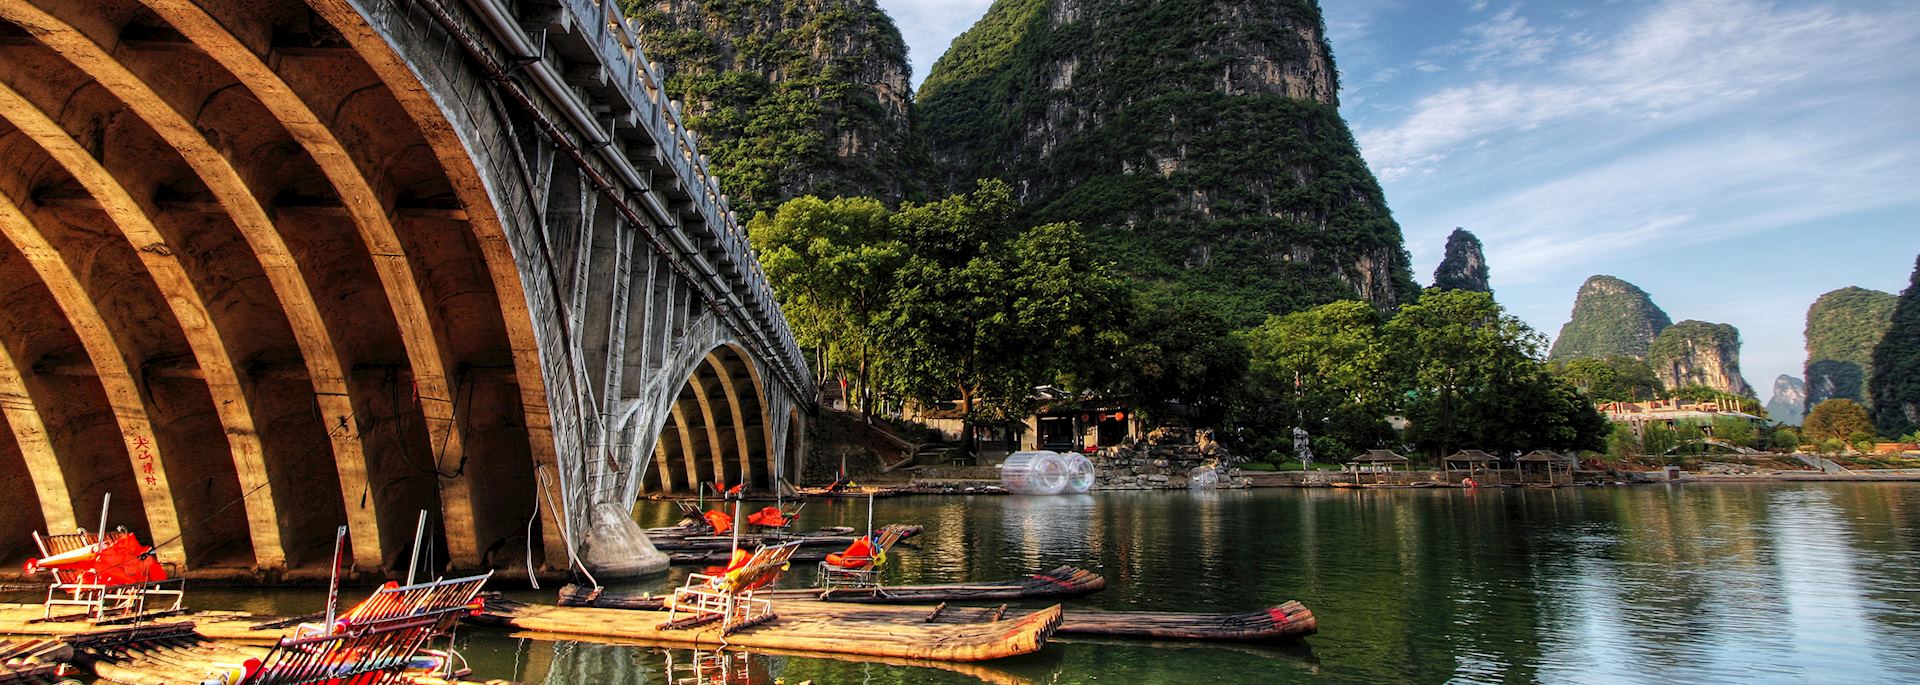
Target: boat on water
point(1059, 583)
point(1291, 620)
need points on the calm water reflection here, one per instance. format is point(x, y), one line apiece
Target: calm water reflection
point(1686, 584)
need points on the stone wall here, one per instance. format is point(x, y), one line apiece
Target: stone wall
point(1163, 467)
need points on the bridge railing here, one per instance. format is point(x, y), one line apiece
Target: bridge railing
point(641, 85)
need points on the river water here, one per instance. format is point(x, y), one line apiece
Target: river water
point(1719, 583)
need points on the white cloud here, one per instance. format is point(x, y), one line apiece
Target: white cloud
point(1506, 39)
point(1687, 194)
point(1684, 61)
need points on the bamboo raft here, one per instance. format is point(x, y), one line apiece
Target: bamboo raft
point(1066, 581)
point(182, 650)
point(1287, 621)
point(682, 538)
point(815, 627)
point(34, 661)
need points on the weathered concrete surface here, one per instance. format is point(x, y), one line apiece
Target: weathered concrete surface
point(617, 549)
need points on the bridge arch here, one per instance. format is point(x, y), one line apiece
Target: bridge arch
point(278, 265)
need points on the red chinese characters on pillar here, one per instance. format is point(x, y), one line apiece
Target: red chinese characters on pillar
point(143, 451)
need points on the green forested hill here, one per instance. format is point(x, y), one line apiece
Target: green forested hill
point(1895, 384)
point(1198, 141)
point(1843, 327)
point(790, 97)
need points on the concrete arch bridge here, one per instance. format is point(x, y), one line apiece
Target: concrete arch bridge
point(275, 266)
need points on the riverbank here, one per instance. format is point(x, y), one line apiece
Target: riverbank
point(982, 480)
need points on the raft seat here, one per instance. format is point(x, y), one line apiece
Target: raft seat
point(859, 566)
point(111, 579)
point(728, 596)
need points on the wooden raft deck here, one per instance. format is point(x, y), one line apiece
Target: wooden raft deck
point(24, 619)
point(811, 627)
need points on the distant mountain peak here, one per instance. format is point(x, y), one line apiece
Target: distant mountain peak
point(1610, 317)
point(1464, 267)
point(1788, 404)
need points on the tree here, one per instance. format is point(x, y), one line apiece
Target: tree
point(1837, 419)
point(1786, 438)
point(1473, 377)
point(1623, 442)
point(1895, 386)
point(1735, 431)
point(1657, 438)
point(1180, 358)
point(1616, 378)
point(833, 264)
point(982, 313)
point(1324, 370)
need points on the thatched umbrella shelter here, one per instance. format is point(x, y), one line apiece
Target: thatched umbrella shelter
point(1556, 468)
point(1470, 463)
point(1375, 462)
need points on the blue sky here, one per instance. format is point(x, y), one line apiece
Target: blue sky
point(1734, 158)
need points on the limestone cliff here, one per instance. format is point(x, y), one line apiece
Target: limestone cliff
point(1895, 384)
point(1610, 317)
point(1789, 402)
point(1843, 327)
point(1198, 141)
point(1697, 353)
point(1464, 267)
point(790, 98)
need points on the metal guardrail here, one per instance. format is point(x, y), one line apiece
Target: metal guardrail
point(639, 83)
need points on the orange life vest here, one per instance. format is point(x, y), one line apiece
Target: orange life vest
point(857, 555)
point(770, 517)
point(720, 521)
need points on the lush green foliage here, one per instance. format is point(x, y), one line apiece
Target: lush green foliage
point(1462, 370)
point(1786, 438)
point(774, 110)
point(1611, 317)
point(1838, 419)
point(1464, 266)
point(943, 300)
point(1895, 388)
point(1474, 379)
point(834, 262)
point(1181, 359)
point(1325, 370)
point(1618, 378)
point(982, 312)
point(1843, 327)
point(1736, 431)
point(1657, 438)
